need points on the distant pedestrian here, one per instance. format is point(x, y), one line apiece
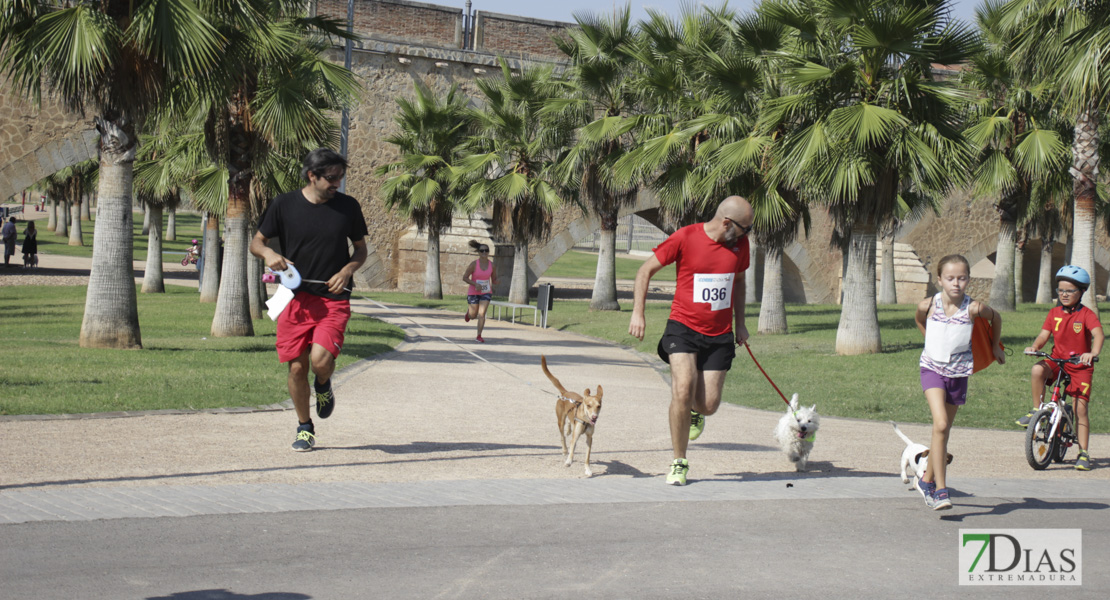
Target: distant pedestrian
point(8, 234)
point(30, 245)
point(482, 277)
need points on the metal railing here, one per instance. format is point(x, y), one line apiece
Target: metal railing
point(634, 234)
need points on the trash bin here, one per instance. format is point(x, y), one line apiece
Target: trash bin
point(545, 300)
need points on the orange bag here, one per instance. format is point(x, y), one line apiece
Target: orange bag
point(981, 352)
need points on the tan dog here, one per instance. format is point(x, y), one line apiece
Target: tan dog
point(576, 415)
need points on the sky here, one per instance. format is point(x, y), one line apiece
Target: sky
point(563, 10)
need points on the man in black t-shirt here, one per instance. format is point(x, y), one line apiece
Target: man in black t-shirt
point(313, 226)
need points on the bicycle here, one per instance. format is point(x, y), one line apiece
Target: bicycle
point(1052, 428)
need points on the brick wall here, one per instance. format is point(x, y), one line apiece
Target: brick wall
point(512, 35)
point(414, 22)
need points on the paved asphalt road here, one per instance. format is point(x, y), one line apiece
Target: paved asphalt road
point(511, 539)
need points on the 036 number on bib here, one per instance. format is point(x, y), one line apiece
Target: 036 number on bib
point(714, 289)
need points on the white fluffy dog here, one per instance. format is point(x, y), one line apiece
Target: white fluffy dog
point(796, 432)
point(915, 458)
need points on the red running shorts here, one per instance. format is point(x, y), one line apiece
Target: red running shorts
point(311, 319)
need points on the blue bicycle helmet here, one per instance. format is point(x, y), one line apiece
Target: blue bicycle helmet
point(1074, 274)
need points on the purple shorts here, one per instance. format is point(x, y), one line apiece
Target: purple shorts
point(955, 388)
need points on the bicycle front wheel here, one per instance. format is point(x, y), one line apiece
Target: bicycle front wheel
point(1039, 448)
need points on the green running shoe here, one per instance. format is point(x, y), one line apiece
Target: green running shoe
point(697, 425)
point(306, 438)
point(1083, 463)
point(325, 399)
point(679, 468)
point(1024, 421)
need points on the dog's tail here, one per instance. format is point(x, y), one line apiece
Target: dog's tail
point(900, 434)
point(558, 386)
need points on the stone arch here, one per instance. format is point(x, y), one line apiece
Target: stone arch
point(51, 157)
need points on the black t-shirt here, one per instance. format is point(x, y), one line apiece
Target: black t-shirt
point(314, 236)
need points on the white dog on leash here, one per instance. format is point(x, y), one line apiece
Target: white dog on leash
point(796, 432)
point(915, 458)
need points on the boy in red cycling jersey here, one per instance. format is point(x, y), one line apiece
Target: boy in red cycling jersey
point(1075, 330)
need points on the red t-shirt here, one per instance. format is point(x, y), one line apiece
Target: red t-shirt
point(1071, 332)
point(707, 276)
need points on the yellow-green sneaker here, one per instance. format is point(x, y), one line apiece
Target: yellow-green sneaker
point(677, 475)
point(1083, 463)
point(697, 425)
point(306, 438)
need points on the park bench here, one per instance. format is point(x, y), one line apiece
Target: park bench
point(512, 308)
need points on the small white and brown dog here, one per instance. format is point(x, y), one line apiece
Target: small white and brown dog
point(915, 458)
point(796, 432)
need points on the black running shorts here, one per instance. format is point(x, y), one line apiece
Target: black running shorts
point(715, 352)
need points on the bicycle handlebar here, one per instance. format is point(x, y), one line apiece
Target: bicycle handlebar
point(1071, 360)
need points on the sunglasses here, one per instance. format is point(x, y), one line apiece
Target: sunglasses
point(332, 178)
point(1068, 292)
point(743, 230)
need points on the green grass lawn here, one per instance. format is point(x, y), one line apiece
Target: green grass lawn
point(884, 386)
point(180, 366)
point(188, 227)
point(583, 265)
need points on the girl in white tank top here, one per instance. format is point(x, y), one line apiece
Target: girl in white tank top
point(946, 320)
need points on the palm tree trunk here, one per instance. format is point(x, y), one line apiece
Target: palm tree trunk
point(233, 315)
point(52, 214)
point(1084, 173)
point(858, 332)
point(255, 286)
point(1044, 278)
point(146, 219)
point(61, 227)
point(888, 288)
point(111, 317)
point(1002, 288)
point(210, 271)
point(518, 288)
point(171, 225)
point(433, 278)
point(772, 310)
point(1019, 272)
point(750, 279)
point(605, 277)
point(86, 207)
point(153, 278)
point(75, 236)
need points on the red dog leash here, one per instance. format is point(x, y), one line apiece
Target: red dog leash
point(765, 373)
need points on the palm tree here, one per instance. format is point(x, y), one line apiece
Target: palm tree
point(599, 95)
point(516, 154)
point(864, 117)
point(265, 105)
point(1013, 124)
point(1069, 39)
point(430, 139)
point(116, 59)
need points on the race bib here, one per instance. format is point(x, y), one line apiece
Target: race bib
point(714, 289)
point(483, 286)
